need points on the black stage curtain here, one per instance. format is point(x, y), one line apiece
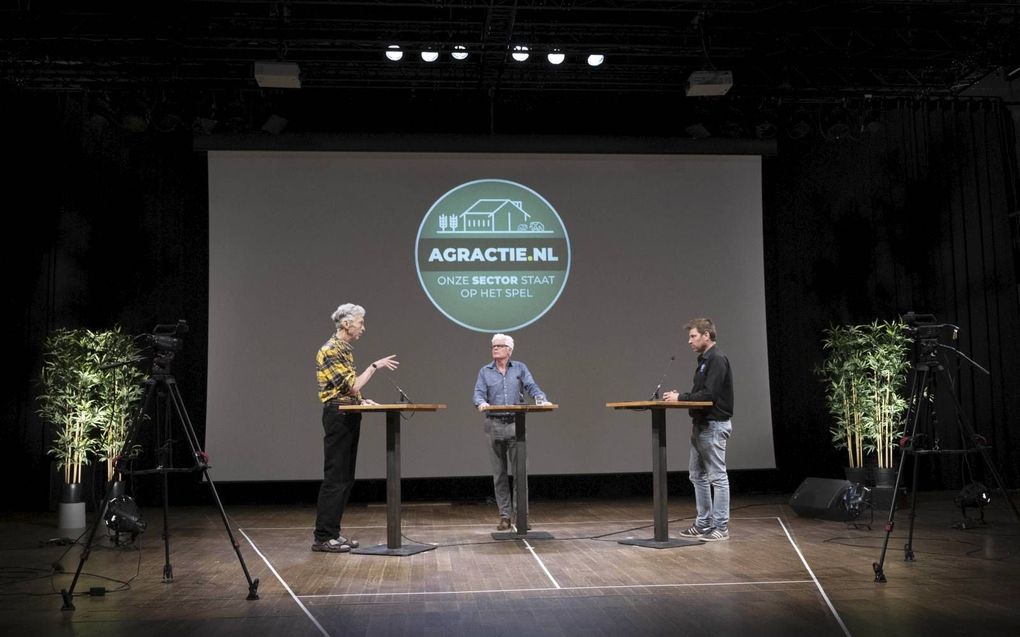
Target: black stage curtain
point(908, 212)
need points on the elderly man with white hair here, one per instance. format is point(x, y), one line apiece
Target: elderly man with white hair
point(503, 382)
point(340, 384)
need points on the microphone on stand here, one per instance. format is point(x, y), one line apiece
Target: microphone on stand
point(658, 386)
point(403, 396)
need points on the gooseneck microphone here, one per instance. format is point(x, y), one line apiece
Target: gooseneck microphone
point(658, 386)
point(403, 396)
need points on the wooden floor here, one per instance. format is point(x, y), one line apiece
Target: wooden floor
point(779, 574)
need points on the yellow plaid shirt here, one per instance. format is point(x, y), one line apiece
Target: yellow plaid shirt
point(334, 369)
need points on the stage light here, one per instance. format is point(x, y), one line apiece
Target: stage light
point(122, 516)
point(709, 83)
point(596, 59)
point(430, 56)
point(274, 125)
point(459, 52)
point(856, 500)
point(278, 74)
point(556, 57)
point(972, 496)
point(394, 53)
point(698, 130)
point(520, 53)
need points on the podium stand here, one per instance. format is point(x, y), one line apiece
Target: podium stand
point(393, 545)
point(521, 470)
point(658, 409)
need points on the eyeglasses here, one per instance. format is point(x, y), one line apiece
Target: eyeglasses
point(499, 346)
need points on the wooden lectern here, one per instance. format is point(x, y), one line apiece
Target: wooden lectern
point(393, 545)
point(658, 409)
point(521, 470)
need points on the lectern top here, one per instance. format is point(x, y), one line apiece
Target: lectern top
point(661, 404)
point(515, 408)
point(394, 407)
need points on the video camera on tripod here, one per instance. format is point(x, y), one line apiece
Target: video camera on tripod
point(119, 511)
point(165, 340)
point(926, 331)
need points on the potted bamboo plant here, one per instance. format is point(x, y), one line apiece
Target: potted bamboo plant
point(887, 363)
point(87, 399)
point(120, 388)
point(865, 372)
point(846, 392)
point(69, 403)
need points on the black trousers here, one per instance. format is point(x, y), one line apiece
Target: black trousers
point(340, 446)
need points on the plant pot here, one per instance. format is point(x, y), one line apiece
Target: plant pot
point(856, 475)
point(71, 511)
point(885, 477)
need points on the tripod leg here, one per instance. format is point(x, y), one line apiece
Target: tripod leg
point(914, 404)
point(68, 594)
point(201, 463)
point(168, 569)
point(908, 548)
point(878, 566)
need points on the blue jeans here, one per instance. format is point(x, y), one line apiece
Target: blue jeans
point(708, 474)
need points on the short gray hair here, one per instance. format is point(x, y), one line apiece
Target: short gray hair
point(347, 311)
point(503, 339)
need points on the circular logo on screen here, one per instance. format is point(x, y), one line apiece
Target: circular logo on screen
point(492, 255)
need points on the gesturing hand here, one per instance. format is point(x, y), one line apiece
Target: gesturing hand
point(390, 362)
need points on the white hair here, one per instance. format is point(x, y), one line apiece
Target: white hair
point(347, 311)
point(503, 339)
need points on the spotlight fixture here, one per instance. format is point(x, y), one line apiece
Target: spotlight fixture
point(520, 53)
point(278, 74)
point(429, 55)
point(122, 516)
point(275, 124)
point(974, 496)
point(556, 57)
point(709, 83)
point(596, 59)
point(856, 501)
point(394, 53)
point(459, 52)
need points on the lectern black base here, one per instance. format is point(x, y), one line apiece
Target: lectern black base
point(400, 551)
point(668, 543)
point(530, 535)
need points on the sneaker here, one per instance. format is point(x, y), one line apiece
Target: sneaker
point(715, 535)
point(694, 532)
point(330, 546)
point(504, 524)
point(349, 542)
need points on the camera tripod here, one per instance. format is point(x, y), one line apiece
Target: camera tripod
point(169, 409)
point(923, 439)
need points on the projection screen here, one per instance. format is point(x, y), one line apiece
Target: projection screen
point(592, 262)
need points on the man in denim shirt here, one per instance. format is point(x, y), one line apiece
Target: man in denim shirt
point(713, 380)
point(503, 382)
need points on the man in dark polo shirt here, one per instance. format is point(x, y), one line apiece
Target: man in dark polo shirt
point(713, 380)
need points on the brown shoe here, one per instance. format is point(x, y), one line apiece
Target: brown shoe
point(504, 524)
